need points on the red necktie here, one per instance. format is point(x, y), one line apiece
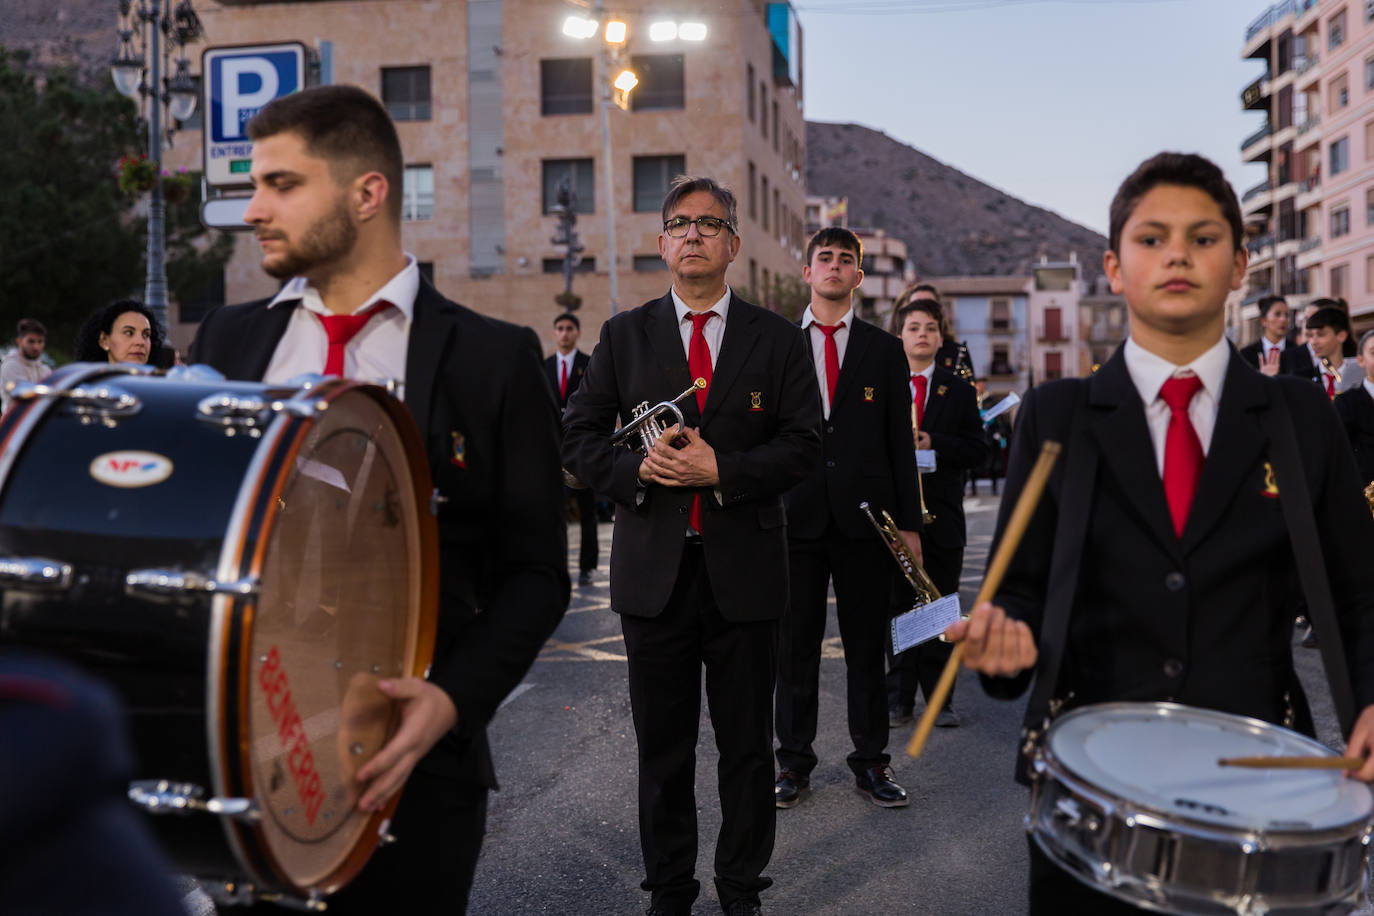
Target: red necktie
point(832, 360)
point(1330, 384)
point(563, 380)
point(699, 364)
point(341, 329)
point(920, 397)
point(1182, 448)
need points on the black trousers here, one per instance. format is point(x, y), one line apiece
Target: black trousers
point(438, 827)
point(586, 515)
point(666, 655)
point(861, 573)
point(921, 665)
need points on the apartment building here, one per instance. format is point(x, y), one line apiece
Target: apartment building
point(1310, 222)
point(1057, 350)
point(887, 273)
point(496, 106)
point(991, 314)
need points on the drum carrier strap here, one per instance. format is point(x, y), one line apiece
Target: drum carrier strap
point(1066, 560)
point(1302, 532)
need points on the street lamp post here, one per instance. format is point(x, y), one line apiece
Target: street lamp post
point(160, 28)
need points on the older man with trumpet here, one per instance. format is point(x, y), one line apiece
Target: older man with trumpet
point(699, 550)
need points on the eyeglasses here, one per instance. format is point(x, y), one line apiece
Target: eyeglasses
point(707, 226)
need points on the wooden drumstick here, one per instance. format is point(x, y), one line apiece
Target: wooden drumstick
point(1293, 763)
point(1011, 538)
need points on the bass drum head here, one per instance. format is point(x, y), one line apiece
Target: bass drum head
point(340, 607)
point(1162, 757)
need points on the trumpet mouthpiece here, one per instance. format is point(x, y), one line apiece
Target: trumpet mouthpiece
point(699, 383)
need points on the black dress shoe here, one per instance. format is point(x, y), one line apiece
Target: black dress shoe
point(787, 791)
point(877, 783)
point(659, 909)
point(897, 716)
point(947, 718)
point(743, 908)
point(584, 577)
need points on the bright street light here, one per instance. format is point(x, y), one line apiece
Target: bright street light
point(579, 27)
point(662, 31)
point(616, 32)
point(626, 80)
point(692, 31)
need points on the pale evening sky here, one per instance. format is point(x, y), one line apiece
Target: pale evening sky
point(1051, 101)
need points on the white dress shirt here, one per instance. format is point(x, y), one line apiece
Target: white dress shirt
point(1149, 373)
point(713, 330)
point(1369, 387)
point(377, 352)
point(1266, 347)
point(818, 349)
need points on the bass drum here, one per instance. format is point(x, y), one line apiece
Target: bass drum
point(243, 563)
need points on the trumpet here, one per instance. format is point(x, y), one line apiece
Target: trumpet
point(1369, 495)
point(645, 420)
point(926, 592)
point(927, 517)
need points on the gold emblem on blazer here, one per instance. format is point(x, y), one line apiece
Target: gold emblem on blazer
point(868, 394)
point(756, 400)
point(940, 392)
point(460, 450)
point(1271, 485)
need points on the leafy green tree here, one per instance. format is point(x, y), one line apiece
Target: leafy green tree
point(69, 240)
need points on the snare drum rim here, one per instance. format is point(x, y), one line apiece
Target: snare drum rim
point(257, 510)
point(1047, 762)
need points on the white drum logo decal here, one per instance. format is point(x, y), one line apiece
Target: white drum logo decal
point(131, 469)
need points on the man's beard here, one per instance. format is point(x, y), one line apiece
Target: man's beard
point(328, 240)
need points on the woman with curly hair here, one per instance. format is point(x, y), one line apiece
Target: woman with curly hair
point(124, 331)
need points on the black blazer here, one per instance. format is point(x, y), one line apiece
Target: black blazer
point(866, 448)
point(1206, 620)
point(1252, 352)
point(579, 366)
point(952, 354)
point(956, 433)
point(1296, 359)
point(502, 538)
point(1356, 410)
point(762, 413)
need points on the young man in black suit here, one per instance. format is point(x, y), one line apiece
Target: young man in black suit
point(943, 418)
point(564, 371)
point(699, 558)
point(866, 455)
point(1355, 406)
point(326, 211)
point(1182, 590)
point(1300, 359)
point(1266, 353)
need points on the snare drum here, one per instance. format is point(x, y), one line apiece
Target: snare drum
point(1128, 797)
point(243, 563)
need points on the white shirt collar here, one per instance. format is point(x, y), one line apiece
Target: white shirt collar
point(809, 318)
point(400, 291)
point(1149, 372)
point(719, 308)
point(1369, 386)
point(928, 371)
point(1280, 346)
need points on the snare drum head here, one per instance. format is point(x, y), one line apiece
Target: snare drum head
point(1162, 757)
point(338, 610)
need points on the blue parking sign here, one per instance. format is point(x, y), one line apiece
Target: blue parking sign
point(239, 81)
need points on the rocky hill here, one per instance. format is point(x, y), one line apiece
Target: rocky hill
point(63, 32)
point(953, 224)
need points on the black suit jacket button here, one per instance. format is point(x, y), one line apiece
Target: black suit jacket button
point(830, 464)
point(1173, 667)
point(1174, 581)
point(830, 429)
point(681, 510)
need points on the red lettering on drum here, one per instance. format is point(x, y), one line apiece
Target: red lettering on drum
point(291, 732)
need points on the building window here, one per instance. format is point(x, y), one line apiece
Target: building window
point(565, 86)
point(405, 92)
point(1339, 93)
point(1368, 10)
point(777, 212)
point(1335, 31)
point(662, 82)
point(1368, 138)
point(763, 106)
point(581, 178)
point(653, 177)
point(1001, 315)
point(764, 294)
point(1001, 360)
point(753, 192)
point(197, 119)
point(765, 202)
point(1369, 207)
point(1340, 155)
point(585, 265)
point(1369, 71)
point(426, 269)
point(775, 125)
point(418, 198)
point(650, 263)
point(749, 87)
point(1338, 280)
point(1369, 273)
point(1054, 366)
point(1340, 221)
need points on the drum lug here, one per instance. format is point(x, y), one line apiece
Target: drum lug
point(98, 400)
point(170, 583)
point(162, 796)
point(233, 893)
point(248, 412)
point(34, 573)
point(1067, 811)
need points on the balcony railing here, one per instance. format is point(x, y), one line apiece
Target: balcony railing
point(1052, 335)
point(1257, 245)
point(1309, 244)
point(1270, 16)
point(1257, 190)
point(1257, 136)
point(1310, 123)
point(1311, 183)
point(1303, 64)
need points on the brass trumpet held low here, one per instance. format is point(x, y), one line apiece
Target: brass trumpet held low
point(926, 592)
point(927, 517)
point(645, 422)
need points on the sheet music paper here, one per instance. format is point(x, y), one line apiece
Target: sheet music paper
point(925, 460)
point(1001, 407)
point(923, 623)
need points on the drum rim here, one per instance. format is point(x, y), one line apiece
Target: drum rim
point(1049, 763)
point(232, 740)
